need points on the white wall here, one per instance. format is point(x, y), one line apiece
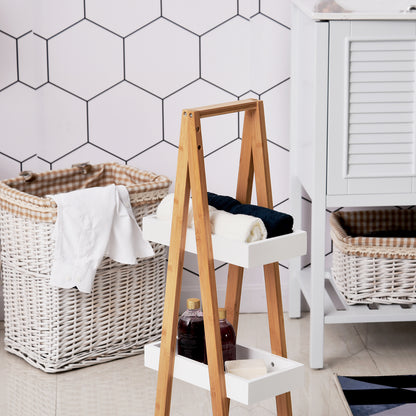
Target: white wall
point(100, 80)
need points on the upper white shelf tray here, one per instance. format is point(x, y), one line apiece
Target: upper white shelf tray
point(241, 254)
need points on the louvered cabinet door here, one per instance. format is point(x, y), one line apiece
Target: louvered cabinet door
point(371, 108)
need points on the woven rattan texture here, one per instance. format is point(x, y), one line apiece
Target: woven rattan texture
point(60, 329)
point(28, 198)
point(374, 270)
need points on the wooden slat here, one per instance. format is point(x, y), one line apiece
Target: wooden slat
point(381, 97)
point(206, 267)
point(382, 55)
point(173, 278)
point(219, 109)
point(381, 118)
point(271, 271)
point(375, 138)
point(243, 194)
point(375, 67)
point(383, 158)
point(380, 148)
point(381, 128)
point(382, 87)
point(381, 108)
point(276, 327)
point(381, 171)
point(386, 45)
point(382, 76)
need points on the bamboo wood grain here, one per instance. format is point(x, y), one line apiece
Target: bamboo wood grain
point(173, 278)
point(206, 268)
point(261, 160)
point(254, 162)
point(271, 271)
point(225, 108)
point(243, 194)
point(276, 327)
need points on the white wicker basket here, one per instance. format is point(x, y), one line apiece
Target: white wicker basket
point(60, 329)
point(370, 266)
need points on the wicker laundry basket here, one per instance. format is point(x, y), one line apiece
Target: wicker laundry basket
point(374, 256)
point(58, 329)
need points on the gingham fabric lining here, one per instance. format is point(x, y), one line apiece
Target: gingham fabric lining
point(28, 199)
point(347, 228)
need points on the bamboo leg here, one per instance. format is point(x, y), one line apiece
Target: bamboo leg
point(244, 190)
point(271, 271)
point(206, 268)
point(276, 327)
point(173, 282)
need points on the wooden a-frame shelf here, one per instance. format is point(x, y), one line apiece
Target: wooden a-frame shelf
point(284, 374)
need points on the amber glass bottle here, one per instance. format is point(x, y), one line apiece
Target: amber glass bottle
point(228, 338)
point(191, 339)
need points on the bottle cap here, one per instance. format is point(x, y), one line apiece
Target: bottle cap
point(193, 303)
point(222, 313)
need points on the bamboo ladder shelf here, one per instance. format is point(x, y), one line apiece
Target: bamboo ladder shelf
point(254, 163)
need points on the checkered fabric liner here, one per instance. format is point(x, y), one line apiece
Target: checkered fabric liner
point(348, 230)
point(27, 195)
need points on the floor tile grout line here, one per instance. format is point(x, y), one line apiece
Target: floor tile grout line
point(367, 349)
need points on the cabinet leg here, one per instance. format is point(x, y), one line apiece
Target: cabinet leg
point(295, 263)
point(317, 284)
point(276, 327)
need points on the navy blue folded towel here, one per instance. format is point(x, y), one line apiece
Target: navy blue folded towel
point(276, 223)
point(222, 202)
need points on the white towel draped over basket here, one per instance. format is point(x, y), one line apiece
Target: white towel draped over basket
point(93, 223)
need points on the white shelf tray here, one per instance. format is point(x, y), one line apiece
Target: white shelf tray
point(241, 254)
point(283, 374)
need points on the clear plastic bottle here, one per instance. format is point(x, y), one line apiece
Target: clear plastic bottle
point(228, 338)
point(191, 338)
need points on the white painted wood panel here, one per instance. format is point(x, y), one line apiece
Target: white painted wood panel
point(310, 94)
point(337, 118)
point(376, 186)
point(371, 53)
point(389, 148)
point(382, 86)
point(403, 117)
point(389, 76)
point(242, 254)
point(371, 113)
point(381, 108)
point(381, 30)
point(382, 45)
point(381, 138)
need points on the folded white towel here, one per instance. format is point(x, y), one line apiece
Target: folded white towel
point(93, 223)
point(238, 227)
point(165, 210)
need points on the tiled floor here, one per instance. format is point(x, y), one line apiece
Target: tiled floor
point(125, 388)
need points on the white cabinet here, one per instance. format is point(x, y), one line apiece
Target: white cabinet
point(352, 135)
point(371, 103)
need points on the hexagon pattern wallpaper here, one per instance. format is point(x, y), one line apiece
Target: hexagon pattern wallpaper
point(104, 80)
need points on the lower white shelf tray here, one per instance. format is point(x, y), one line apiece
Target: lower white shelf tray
point(283, 375)
point(239, 253)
